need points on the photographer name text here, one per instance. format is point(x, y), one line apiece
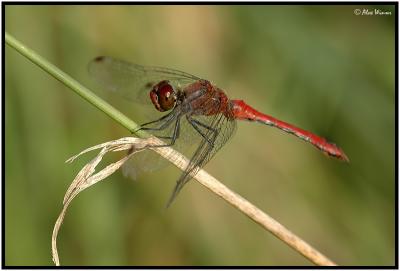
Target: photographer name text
point(371, 12)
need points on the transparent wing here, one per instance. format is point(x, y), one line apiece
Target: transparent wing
point(221, 131)
point(133, 81)
point(143, 162)
point(149, 161)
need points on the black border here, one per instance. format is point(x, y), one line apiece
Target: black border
point(395, 3)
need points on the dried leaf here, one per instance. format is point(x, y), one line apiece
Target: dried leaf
point(87, 176)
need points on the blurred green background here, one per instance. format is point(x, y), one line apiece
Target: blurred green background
point(322, 68)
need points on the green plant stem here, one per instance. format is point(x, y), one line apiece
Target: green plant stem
point(74, 85)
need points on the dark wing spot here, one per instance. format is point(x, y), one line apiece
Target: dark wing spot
point(99, 59)
point(149, 85)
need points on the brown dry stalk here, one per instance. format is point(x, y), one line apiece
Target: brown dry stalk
point(86, 178)
point(249, 209)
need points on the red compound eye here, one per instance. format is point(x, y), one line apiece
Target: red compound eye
point(163, 96)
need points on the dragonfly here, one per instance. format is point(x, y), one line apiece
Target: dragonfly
point(191, 110)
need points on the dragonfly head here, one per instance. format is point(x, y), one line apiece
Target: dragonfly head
point(163, 96)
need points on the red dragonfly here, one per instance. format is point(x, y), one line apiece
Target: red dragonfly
point(192, 107)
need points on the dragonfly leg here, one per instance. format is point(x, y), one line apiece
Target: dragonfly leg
point(167, 120)
point(195, 124)
point(174, 136)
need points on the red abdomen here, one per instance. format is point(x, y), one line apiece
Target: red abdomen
point(243, 111)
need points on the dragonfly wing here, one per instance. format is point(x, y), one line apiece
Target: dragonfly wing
point(223, 129)
point(148, 160)
point(143, 162)
point(133, 81)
